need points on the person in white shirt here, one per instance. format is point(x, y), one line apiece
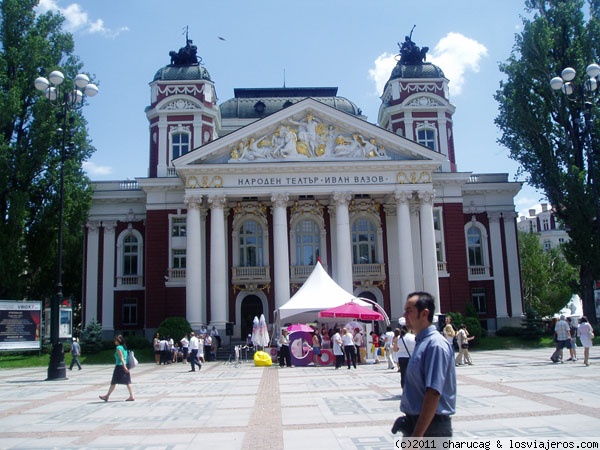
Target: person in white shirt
point(194, 345)
point(185, 343)
point(388, 337)
point(336, 342)
point(406, 345)
point(349, 348)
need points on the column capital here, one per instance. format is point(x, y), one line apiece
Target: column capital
point(509, 216)
point(403, 196)
point(93, 225)
point(193, 201)
point(494, 216)
point(109, 225)
point(280, 200)
point(217, 201)
point(342, 198)
point(426, 196)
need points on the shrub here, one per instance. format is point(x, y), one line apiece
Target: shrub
point(175, 327)
point(91, 338)
point(474, 328)
point(137, 342)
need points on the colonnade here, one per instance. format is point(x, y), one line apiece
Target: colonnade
point(342, 258)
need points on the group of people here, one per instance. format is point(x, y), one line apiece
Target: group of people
point(565, 336)
point(459, 340)
point(166, 351)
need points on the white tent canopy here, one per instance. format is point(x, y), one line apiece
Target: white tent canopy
point(318, 292)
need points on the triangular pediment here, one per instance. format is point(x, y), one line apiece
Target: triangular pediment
point(309, 131)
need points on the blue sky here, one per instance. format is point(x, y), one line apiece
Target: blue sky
point(349, 44)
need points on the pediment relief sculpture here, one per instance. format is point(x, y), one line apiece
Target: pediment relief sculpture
point(309, 138)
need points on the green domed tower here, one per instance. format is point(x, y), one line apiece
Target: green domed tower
point(415, 102)
point(183, 112)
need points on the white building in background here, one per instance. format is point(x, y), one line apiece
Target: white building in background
point(550, 230)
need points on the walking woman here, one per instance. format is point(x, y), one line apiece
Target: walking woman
point(586, 336)
point(121, 372)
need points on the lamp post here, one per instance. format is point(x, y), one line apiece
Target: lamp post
point(65, 101)
point(584, 96)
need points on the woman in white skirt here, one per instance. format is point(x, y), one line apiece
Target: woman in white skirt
point(586, 336)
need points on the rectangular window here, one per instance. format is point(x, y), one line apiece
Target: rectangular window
point(179, 259)
point(426, 137)
point(181, 144)
point(178, 226)
point(130, 311)
point(478, 300)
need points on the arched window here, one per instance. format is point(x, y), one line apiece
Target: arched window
point(130, 259)
point(475, 247)
point(307, 243)
point(250, 244)
point(364, 243)
point(130, 255)
point(477, 250)
point(180, 144)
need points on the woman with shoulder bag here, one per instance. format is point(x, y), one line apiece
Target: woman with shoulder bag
point(121, 373)
point(463, 338)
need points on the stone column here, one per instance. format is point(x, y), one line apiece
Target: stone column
point(193, 273)
point(218, 269)
point(281, 263)
point(406, 262)
point(512, 259)
point(108, 278)
point(498, 264)
point(430, 271)
point(343, 240)
point(91, 274)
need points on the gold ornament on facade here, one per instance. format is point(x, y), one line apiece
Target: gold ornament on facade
point(205, 182)
point(414, 177)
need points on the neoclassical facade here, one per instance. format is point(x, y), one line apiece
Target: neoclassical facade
point(244, 197)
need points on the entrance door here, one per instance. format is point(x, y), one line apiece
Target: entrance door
point(251, 307)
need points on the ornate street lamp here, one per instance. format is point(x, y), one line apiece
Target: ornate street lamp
point(65, 101)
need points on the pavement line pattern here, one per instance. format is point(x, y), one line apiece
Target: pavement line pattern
point(265, 422)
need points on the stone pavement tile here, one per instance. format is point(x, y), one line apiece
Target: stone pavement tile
point(538, 426)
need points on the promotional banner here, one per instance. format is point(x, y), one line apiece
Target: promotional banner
point(20, 325)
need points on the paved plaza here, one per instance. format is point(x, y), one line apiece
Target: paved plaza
point(514, 393)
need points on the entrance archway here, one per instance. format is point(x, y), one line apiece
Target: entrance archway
point(251, 307)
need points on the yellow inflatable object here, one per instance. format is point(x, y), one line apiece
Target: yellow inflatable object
point(262, 359)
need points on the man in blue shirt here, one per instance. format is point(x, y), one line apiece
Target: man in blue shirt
point(429, 394)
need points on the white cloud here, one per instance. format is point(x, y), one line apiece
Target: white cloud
point(76, 19)
point(455, 54)
point(94, 170)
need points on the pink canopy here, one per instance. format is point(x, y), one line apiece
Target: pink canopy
point(353, 311)
point(300, 327)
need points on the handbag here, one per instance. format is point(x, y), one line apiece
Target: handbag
point(464, 345)
point(131, 360)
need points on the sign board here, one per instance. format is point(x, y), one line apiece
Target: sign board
point(20, 325)
point(65, 323)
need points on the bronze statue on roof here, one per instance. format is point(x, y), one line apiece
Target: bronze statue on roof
point(410, 53)
point(186, 56)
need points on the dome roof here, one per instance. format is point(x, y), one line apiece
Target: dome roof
point(187, 72)
point(261, 102)
point(420, 70)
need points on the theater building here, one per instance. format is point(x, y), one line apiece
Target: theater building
point(242, 199)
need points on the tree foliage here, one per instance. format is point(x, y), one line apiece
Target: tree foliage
point(543, 130)
point(548, 279)
point(30, 157)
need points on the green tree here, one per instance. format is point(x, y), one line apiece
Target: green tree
point(30, 157)
point(543, 130)
point(548, 279)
